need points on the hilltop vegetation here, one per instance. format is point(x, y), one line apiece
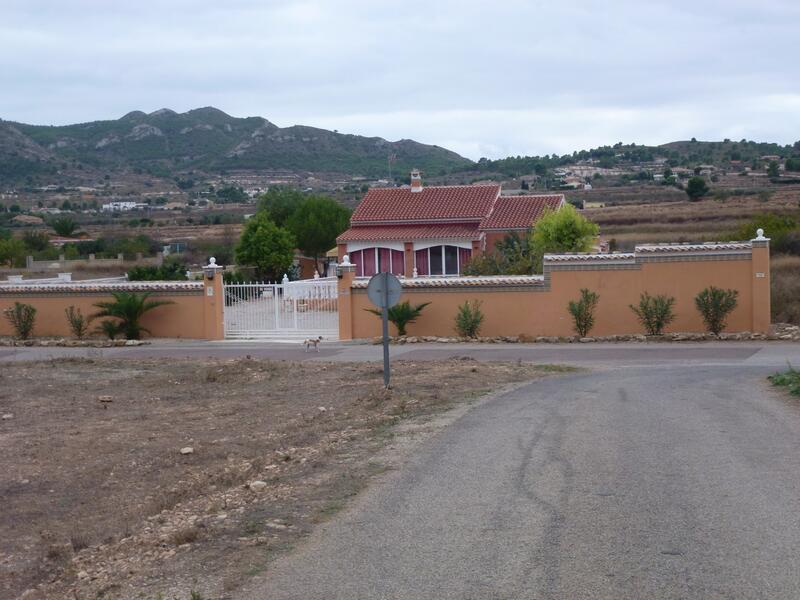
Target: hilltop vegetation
point(165, 143)
point(676, 154)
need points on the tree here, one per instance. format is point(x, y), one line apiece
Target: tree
point(696, 188)
point(64, 226)
point(773, 170)
point(316, 223)
point(792, 164)
point(265, 246)
point(281, 202)
point(128, 308)
point(562, 230)
point(12, 252)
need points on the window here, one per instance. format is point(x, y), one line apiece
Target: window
point(441, 260)
point(369, 261)
point(435, 260)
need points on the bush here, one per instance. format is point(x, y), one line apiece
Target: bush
point(654, 312)
point(582, 312)
point(22, 318)
point(128, 308)
point(169, 271)
point(483, 264)
point(715, 305)
point(401, 314)
point(110, 329)
point(789, 379)
point(469, 319)
point(78, 323)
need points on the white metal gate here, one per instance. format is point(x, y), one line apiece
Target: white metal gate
point(288, 310)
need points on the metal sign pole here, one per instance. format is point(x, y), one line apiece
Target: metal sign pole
point(385, 318)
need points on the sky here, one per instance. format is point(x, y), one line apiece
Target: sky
point(483, 78)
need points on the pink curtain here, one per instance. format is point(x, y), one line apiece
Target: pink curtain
point(369, 261)
point(464, 254)
point(398, 262)
point(357, 259)
point(422, 262)
point(384, 255)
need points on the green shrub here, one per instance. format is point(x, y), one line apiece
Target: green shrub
point(22, 318)
point(469, 319)
point(715, 305)
point(128, 308)
point(789, 379)
point(401, 314)
point(654, 312)
point(108, 328)
point(78, 323)
point(582, 312)
point(169, 271)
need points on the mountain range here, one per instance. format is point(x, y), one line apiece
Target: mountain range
point(166, 143)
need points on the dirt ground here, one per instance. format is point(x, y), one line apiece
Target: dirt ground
point(100, 502)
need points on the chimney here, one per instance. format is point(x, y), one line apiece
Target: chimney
point(416, 181)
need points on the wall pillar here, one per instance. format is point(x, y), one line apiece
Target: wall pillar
point(761, 284)
point(408, 255)
point(346, 272)
point(476, 248)
point(342, 250)
point(213, 307)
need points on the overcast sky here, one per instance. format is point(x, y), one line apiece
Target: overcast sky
point(484, 78)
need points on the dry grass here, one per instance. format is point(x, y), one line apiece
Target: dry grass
point(785, 289)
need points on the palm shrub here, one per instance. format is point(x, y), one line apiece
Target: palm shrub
point(22, 318)
point(582, 311)
point(78, 323)
point(715, 305)
point(401, 314)
point(654, 312)
point(128, 308)
point(469, 319)
point(108, 328)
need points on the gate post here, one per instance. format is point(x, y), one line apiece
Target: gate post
point(761, 283)
point(213, 302)
point(346, 273)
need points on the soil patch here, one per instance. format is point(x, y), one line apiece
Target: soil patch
point(160, 479)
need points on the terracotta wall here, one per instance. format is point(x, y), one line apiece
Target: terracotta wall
point(538, 306)
point(195, 313)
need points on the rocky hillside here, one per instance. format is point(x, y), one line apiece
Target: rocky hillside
point(167, 143)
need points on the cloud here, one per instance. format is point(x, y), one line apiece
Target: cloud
point(508, 77)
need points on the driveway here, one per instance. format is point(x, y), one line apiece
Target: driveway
point(676, 480)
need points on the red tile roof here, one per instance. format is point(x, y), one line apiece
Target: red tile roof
point(519, 212)
point(407, 233)
point(433, 203)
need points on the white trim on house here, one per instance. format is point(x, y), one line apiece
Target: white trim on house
point(463, 243)
point(355, 246)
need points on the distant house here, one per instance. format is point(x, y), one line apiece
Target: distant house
point(123, 206)
point(435, 230)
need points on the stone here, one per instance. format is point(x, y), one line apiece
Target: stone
point(7, 416)
point(82, 575)
point(586, 340)
point(187, 450)
point(257, 486)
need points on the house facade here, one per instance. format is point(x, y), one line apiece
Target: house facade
point(434, 230)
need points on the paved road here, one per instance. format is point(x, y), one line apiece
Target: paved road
point(675, 481)
point(773, 354)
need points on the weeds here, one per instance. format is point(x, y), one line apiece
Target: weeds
point(790, 379)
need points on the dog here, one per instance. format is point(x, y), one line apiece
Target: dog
point(313, 342)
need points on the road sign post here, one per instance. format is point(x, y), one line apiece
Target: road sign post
point(384, 291)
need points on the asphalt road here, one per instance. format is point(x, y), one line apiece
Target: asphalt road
point(671, 481)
